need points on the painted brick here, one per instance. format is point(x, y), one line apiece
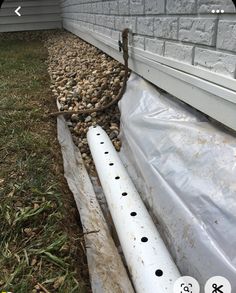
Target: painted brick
point(91, 18)
point(154, 6)
point(206, 6)
point(99, 19)
point(154, 45)
point(130, 22)
point(198, 30)
point(226, 38)
point(114, 7)
point(94, 8)
point(85, 7)
point(145, 26)
point(75, 9)
point(166, 27)
point(219, 62)
point(123, 7)
point(106, 8)
point(136, 7)
point(180, 6)
point(179, 52)
point(138, 42)
point(80, 8)
point(119, 23)
point(109, 21)
point(99, 7)
point(122, 22)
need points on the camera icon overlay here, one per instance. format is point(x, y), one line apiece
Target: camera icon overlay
point(186, 284)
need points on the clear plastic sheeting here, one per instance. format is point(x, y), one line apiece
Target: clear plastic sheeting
point(185, 170)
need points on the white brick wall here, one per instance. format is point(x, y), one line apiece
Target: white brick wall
point(206, 6)
point(226, 36)
point(184, 30)
point(145, 26)
point(154, 7)
point(114, 7)
point(166, 27)
point(138, 42)
point(180, 6)
point(197, 30)
point(216, 61)
point(179, 52)
point(123, 7)
point(154, 45)
point(136, 7)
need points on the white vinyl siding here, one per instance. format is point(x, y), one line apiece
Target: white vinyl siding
point(35, 15)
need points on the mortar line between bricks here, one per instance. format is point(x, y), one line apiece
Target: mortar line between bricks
point(211, 48)
point(197, 12)
point(178, 28)
point(193, 56)
point(164, 48)
point(216, 32)
point(215, 49)
point(206, 47)
point(190, 15)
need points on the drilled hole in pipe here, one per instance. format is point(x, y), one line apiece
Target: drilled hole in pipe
point(111, 164)
point(124, 193)
point(117, 177)
point(158, 273)
point(98, 133)
point(102, 142)
point(106, 153)
point(133, 214)
point(94, 126)
point(144, 239)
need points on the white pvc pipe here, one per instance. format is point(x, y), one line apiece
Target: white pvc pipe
point(149, 262)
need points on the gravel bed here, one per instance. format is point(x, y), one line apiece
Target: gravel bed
point(83, 77)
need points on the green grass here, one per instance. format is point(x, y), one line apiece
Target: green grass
point(40, 239)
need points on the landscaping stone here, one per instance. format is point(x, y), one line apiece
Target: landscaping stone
point(83, 77)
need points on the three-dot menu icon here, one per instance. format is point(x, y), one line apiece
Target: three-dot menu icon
point(217, 11)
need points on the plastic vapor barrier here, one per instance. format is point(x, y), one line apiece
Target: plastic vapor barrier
point(185, 169)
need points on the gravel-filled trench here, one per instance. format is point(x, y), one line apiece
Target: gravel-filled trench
point(83, 77)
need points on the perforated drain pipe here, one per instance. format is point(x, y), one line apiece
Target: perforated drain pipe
point(149, 262)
